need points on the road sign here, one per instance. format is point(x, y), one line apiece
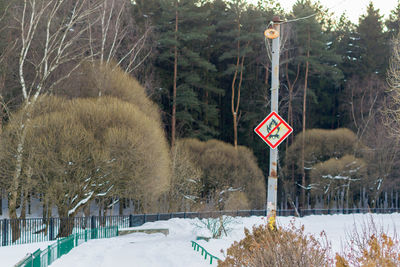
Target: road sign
point(273, 130)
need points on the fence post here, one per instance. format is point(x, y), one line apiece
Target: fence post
point(144, 218)
point(51, 229)
point(49, 251)
point(76, 239)
point(5, 232)
point(58, 248)
point(36, 258)
point(131, 220)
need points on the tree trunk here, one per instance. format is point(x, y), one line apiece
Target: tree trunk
point(22, 216)
point(121, 207)
point(104, 209)
point(16, 178)
point(14, 220)
point(173, 118)
point(25, 190)
point(235, 129)
point(86, 212)
point(29, 204)
point(234, 108)
point(66, 226)
point(238, 67)
point(67, 221)
point(290, 113)
point(303, 173)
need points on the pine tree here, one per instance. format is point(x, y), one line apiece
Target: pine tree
point(346, 45)
point(372, 45)
point(184, 65)
point(393, 23)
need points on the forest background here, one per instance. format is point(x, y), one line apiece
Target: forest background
point(152, 103)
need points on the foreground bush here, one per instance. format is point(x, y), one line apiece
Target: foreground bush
point(282, 247)
point(370, 246)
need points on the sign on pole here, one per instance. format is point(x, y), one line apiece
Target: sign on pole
point(273, 130)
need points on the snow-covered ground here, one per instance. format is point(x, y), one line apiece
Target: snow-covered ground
point(141, 249)
point(10, 255)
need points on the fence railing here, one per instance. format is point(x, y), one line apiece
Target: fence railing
point(43, 258)
point(23, 231)
point(204, 252)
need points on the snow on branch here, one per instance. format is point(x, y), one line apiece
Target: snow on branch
point(80, 203)
point(339, 177)
point(308, 187)
point(105, 193)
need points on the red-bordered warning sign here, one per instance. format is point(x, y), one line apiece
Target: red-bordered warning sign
point(273, 130)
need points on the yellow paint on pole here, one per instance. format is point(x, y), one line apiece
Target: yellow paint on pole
point(271, 33)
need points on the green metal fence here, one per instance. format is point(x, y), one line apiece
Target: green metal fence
point(23, 231)
point(43, 258)
point(204, 252)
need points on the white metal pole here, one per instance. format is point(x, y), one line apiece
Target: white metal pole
point(273, 154)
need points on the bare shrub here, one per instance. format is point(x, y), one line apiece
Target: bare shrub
point(217, 226)
point(336, 173)
point(281, 248)
point(91, 81)
point(370, 245)
point(333, 159)
point(321, 145)
point(186, 185)
point(237, 201)
point(94, 148)
point(226, 170)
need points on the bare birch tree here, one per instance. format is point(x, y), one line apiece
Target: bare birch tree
point(54, 38)
point(114, 37)
point(48, 33)
point(47, 36)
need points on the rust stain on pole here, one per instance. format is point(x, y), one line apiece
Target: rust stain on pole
point(276, 70)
